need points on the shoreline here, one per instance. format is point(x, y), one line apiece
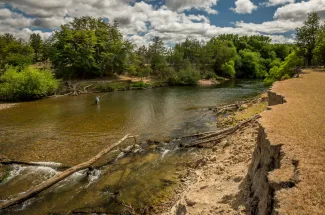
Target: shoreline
point(272, 166)
point(220, 185)
point(4, 106)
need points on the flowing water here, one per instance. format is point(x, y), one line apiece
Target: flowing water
point(70, 130)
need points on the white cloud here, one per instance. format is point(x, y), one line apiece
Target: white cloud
point(300, 10)
point(271, 27)
point(140, 18)
point(278, 2)
point(181, 5)
point(244, 6)
point(5, 13)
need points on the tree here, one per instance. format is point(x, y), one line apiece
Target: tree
point(306, 37)
point(36, 42)
point(14, 52)
point(320, 46)
point(251, 64)
point(157, 53)
point(221, 52)
point(88, 47)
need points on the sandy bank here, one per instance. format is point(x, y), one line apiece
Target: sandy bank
point(288, 172)
point(7, 105)
point(275, 166)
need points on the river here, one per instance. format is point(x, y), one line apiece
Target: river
point(70, 130)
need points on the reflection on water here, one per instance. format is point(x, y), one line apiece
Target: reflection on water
point(70, 130)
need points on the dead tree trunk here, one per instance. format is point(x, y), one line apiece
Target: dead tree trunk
point(213, 137)
point(59, 177)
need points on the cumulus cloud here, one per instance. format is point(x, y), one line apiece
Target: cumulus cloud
point(244, 6)
point(271, 27)
point(181, 5)
point(278, 2)
point(300, 10)
point(5, 13)
point(139, 22)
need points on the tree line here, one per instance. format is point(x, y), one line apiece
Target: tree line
point(90, 47)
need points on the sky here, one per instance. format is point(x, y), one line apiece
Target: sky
point(171, 20)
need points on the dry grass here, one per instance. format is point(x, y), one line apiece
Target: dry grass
point(251, 111)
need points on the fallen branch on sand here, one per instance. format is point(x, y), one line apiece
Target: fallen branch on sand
point(216, 136)
point(59, 177)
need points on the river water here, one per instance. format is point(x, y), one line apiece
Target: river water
point(70, 130)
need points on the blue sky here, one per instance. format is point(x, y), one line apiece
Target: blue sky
point(172, 20)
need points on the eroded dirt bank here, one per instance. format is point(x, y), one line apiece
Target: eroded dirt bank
point(275, 166)
point(288, 172)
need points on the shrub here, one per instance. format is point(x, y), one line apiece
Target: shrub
point(229, 69)
point(30, 83)
point(285, 77)
point(269, 81)
point(141, 84)
point(188, 76)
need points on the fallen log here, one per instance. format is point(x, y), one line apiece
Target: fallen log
point(221, 134)
point(59, 177)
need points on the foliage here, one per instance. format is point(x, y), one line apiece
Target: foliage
point(251, 64)
point(90, 47)
point(29, 83)
point(229, 69)
point(319, 51)
point(36, 43)
point(14, 52)
point(285, 70)
point(306, 37)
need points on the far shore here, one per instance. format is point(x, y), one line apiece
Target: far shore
point(7, 105)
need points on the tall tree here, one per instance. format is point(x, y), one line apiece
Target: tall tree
point(36, 42)
point(89, 46)
point(306, 37)
point(320, 46)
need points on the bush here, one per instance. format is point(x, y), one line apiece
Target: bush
point(285, 70)
point(229, 69)
point(30, 83)
point(188, 76)
point(285, 77)
point(141, 84)
point(269, 81)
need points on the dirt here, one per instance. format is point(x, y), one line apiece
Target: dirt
point(208, 82)
point(275, 166)
point(297, 128)
point(220, 185)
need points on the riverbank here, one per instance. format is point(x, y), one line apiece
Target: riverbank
point(120, 83)
point(219, 185)
point(273, 166)
point(288, 172)
point(7, 105)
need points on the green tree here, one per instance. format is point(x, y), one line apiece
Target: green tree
point(320, 46)
point(251, 64)
point(89, 47)
point(220, 53)
point(306, 37)
point(36, 42)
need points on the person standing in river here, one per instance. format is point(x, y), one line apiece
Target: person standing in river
point(97, 101)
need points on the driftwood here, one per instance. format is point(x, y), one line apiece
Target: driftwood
point(59, 177)
point(216, 136)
